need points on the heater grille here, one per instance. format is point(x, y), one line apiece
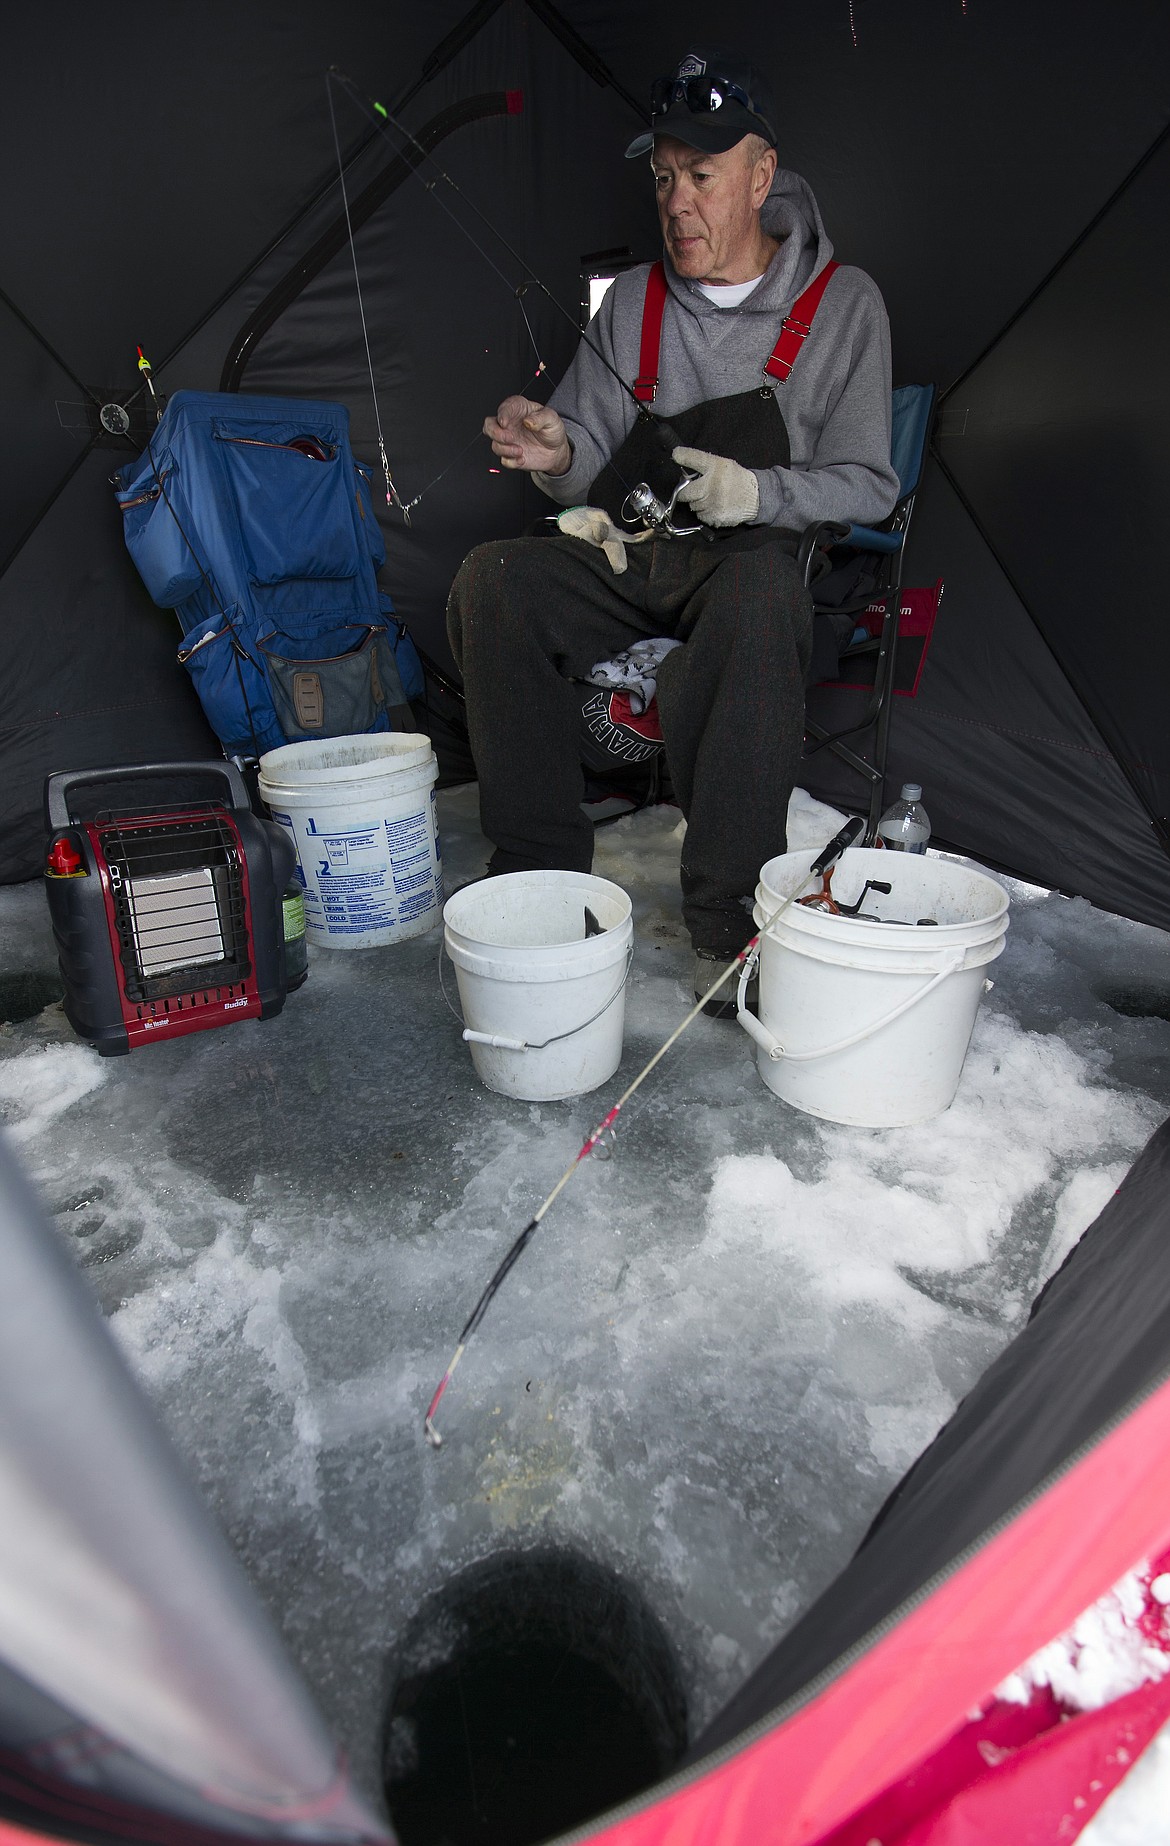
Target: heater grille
point(175, 919)
point(177, 886)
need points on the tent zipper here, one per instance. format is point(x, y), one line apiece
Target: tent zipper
point(258, 442)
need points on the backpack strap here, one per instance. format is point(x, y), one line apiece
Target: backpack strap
point(797, 326)
point(646, 383)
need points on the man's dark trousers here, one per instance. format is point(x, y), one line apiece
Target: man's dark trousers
point(529, 616)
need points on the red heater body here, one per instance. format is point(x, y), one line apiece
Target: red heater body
point(165, 893)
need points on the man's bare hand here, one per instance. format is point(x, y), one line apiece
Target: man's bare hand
point(529, 435)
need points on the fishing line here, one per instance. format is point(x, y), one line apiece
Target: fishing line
point(392, 498)
point(850, 832)
point(380, 117)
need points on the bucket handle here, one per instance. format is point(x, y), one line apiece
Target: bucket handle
point(499, 1042)
point(775, 1050)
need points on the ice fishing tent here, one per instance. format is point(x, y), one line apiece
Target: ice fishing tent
point(142, 1696)
point(1001, 170)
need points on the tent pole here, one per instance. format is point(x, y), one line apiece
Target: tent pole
point(333, 238)
point(583, 54)
point(437, 60)
point(51, 350)
point(433, 64)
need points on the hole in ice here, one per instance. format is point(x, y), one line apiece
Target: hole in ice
point(27, 992)
point(532, 1692)
point(1138, 999)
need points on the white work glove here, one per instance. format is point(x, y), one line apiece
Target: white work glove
point(529, 435)
point(724, 494)
point(596, 528)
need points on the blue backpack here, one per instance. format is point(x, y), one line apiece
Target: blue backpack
point(250, 518)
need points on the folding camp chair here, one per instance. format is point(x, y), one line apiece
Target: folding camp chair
point(848, 551)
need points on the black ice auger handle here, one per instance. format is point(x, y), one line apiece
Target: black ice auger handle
point(59, 786)
point(850, 833)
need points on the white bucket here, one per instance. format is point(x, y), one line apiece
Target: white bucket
point(543, 1004)
point(361, 813)
point(868, 1022)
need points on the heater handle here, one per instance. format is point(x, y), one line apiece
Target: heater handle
point(58, 787)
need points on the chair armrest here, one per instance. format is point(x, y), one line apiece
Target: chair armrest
point(829, 530)
point(867, 538)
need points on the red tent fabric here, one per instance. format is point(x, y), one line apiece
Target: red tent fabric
point(887, 1743)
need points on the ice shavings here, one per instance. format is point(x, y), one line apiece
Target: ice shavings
point(1083, 1199)
point(1121, 1643)
point(941, 1196)
point(877, 1234)
point(38, 1086)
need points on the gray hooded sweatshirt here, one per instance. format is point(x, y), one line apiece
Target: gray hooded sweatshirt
point(835, 404)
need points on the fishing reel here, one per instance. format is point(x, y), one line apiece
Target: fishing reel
point(643, 503)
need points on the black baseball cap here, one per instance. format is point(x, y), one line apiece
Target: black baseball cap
point(711, 101)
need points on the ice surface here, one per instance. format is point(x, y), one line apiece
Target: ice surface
point(721, 1350)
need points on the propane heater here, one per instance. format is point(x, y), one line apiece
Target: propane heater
point(165, 894)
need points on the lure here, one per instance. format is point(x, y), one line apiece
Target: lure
point(144, 368)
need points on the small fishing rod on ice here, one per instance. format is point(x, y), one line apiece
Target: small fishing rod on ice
point(850, 833)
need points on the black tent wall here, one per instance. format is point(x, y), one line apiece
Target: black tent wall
point(958, 153)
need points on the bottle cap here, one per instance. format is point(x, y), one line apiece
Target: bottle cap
point(911, 791)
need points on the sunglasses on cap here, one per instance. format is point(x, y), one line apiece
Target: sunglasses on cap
point(702, 96)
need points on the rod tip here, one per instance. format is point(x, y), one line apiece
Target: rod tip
point(432, 1434)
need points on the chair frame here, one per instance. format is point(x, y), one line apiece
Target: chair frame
point(879, 706)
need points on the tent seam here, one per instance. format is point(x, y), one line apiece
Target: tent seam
point(1035, 737)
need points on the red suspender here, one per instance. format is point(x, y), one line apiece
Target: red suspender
point(797, 325)
point(646, 383)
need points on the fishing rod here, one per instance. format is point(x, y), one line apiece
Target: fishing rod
point(849, 834)
point(382, 119)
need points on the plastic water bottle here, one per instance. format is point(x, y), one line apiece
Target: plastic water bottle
point(905, 827)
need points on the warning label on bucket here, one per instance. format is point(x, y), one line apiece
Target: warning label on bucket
point(408, 834)
point(421, 902)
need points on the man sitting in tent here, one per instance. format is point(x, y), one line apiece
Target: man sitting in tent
point(746, 260)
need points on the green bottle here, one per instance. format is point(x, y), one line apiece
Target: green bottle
point(296, 947)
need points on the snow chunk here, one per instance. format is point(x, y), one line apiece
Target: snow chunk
point(1112, 1649)
point(38, 1086)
